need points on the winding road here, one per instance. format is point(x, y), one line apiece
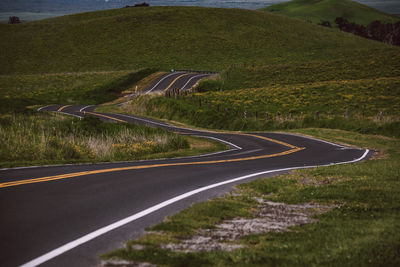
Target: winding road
point(179, 79)
point(68, 215)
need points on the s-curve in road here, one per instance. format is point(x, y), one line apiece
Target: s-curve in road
point(68, 215)
point(182, 80)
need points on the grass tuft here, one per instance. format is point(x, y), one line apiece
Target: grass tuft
point(41, 138)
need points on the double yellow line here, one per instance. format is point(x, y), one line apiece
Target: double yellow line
point(177, 78)
point(104, 116)
point(63, 107)
point(292, 149)
point(77, 174)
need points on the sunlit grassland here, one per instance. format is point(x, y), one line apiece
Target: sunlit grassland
point(47, 138)
point(366, 106)
point(361, 97)
point(362, 230)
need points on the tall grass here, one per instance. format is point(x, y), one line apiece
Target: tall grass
point(51, 138)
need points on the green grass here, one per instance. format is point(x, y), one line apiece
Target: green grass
point(170, 37)
point(46, 138)
point(362, 231)
point(19, 91)
point(328, 10)
point(292, 106)
point(360, 66)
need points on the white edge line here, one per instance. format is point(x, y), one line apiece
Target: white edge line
point(209, 154)
point(132, 161)
point(70, 114)
point(165, 125)
point(245, 152)
point(77, 242)
point(183, 87)
point(217, 139)
point(39, 109)
point(320, 140)
point(148, 121)
point(206, 131)
point(148, 91)
point(82, 109)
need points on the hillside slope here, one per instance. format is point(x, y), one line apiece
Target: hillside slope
point(172, 37)
point(328, 10)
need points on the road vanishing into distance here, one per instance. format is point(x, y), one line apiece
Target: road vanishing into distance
point(70, 214)
point(182, 80)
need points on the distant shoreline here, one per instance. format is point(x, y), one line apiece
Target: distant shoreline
point(26, 16)
point(30, 16)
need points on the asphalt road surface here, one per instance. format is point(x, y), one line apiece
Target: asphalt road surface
point(180, 79)
point(68, 215)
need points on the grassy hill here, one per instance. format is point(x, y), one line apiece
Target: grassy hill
point(328, 10)
point(169, 37)
point(77, 58)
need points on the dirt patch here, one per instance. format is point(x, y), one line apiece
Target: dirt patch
point(124, 263)
point(312, 181)
point(379, 154)
point(270, 217)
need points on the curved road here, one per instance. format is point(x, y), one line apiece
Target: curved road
point(180, 79)
point(68, 215)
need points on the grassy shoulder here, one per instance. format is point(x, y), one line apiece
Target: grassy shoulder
point(362, 229)
point(42, 138)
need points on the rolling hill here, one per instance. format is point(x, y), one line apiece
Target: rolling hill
point(172, 37)
point(328, 10)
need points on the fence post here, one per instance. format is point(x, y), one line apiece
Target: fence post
point(380, 115)
point(347, 113)
point(245, 114)
point(266, 116)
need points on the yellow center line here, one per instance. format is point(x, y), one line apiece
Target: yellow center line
point(272, 140)
point(105, 116)
point(77, 174)
point(293, 149)
point(63, 107)
point(166, 89)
